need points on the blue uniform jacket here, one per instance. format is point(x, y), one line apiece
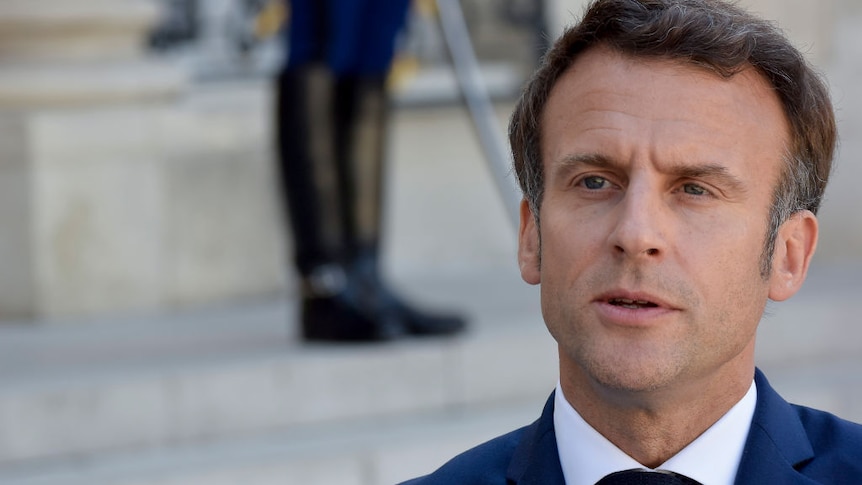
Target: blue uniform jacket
point(787, 444)
point(352, 37)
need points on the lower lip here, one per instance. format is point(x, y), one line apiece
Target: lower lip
point(632, 317)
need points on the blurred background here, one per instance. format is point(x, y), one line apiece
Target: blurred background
point(147, 307)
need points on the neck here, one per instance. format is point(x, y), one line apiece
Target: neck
point(653, 426)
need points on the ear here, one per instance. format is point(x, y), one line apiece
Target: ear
point(529, 249)
point(794, 247)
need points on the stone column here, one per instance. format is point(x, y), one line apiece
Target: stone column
point(80, 172)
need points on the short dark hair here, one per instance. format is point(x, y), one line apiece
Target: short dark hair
point(716, 36)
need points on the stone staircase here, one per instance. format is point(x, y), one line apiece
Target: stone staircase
point(229, 396)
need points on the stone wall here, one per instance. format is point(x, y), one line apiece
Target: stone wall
point(120, 189)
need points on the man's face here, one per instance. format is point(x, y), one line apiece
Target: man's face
point(658, 183)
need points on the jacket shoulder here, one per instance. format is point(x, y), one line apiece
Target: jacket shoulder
point(486, 464)
point(837, 444)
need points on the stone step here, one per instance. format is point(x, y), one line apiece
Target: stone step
point(379, 451)
point(75, 390)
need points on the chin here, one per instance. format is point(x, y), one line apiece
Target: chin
point(631, 374)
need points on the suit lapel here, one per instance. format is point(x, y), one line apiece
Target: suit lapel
point(536, 460)
point(777, 442)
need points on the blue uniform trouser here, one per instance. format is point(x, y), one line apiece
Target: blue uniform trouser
point(351, 37)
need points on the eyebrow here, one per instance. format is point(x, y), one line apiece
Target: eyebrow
point(711, 171)
point(592, 159)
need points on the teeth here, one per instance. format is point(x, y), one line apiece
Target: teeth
point(627, 303)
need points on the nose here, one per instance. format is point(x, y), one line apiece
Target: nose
point(639, 229)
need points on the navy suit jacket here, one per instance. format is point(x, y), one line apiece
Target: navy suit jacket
point(787, 444)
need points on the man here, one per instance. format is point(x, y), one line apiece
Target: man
point(673, 155)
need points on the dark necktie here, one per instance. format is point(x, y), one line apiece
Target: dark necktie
point(646, 477)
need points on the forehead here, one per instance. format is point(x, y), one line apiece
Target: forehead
point(626, 107)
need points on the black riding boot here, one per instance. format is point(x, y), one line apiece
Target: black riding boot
point(334, 306)
point(361, 110)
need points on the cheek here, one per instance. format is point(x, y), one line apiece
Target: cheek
point(567, 250)
point(728, 267)
point(736, 313)
point(570, 229)
point(726, 238)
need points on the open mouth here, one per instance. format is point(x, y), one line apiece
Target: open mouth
point(632, 304)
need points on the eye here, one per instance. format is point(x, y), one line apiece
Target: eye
point(595, 182)
point(694, 189)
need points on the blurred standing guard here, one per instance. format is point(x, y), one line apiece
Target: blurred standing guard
point(331, 124)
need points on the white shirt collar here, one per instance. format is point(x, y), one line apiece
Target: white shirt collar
point(712, 459)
